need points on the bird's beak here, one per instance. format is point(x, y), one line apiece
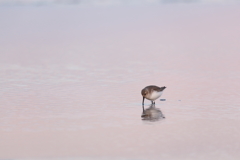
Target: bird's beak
point(143, 104)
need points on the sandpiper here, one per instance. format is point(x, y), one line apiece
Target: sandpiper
point(152, 93)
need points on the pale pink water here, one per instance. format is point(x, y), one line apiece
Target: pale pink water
point(71, 79)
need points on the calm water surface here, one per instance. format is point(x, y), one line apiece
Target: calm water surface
point(70, 82)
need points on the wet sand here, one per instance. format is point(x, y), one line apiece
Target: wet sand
point(71, 79)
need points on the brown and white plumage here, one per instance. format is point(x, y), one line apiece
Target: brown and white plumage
point(152, 93)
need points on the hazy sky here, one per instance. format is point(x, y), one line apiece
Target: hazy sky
point(106, 2)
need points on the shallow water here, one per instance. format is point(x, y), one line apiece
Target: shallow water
point(71, 79)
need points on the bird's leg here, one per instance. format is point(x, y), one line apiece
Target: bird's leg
point(152, 102)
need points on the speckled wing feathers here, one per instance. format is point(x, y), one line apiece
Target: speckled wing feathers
point(155, 88)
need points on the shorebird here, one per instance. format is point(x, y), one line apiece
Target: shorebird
point(152, 93)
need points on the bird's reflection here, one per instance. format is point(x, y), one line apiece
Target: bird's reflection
point(152, 113)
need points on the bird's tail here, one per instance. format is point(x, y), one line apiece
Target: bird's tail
point(162, 88)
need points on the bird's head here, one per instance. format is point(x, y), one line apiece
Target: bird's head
point(144, 92)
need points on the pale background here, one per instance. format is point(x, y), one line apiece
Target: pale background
point(71, 77)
